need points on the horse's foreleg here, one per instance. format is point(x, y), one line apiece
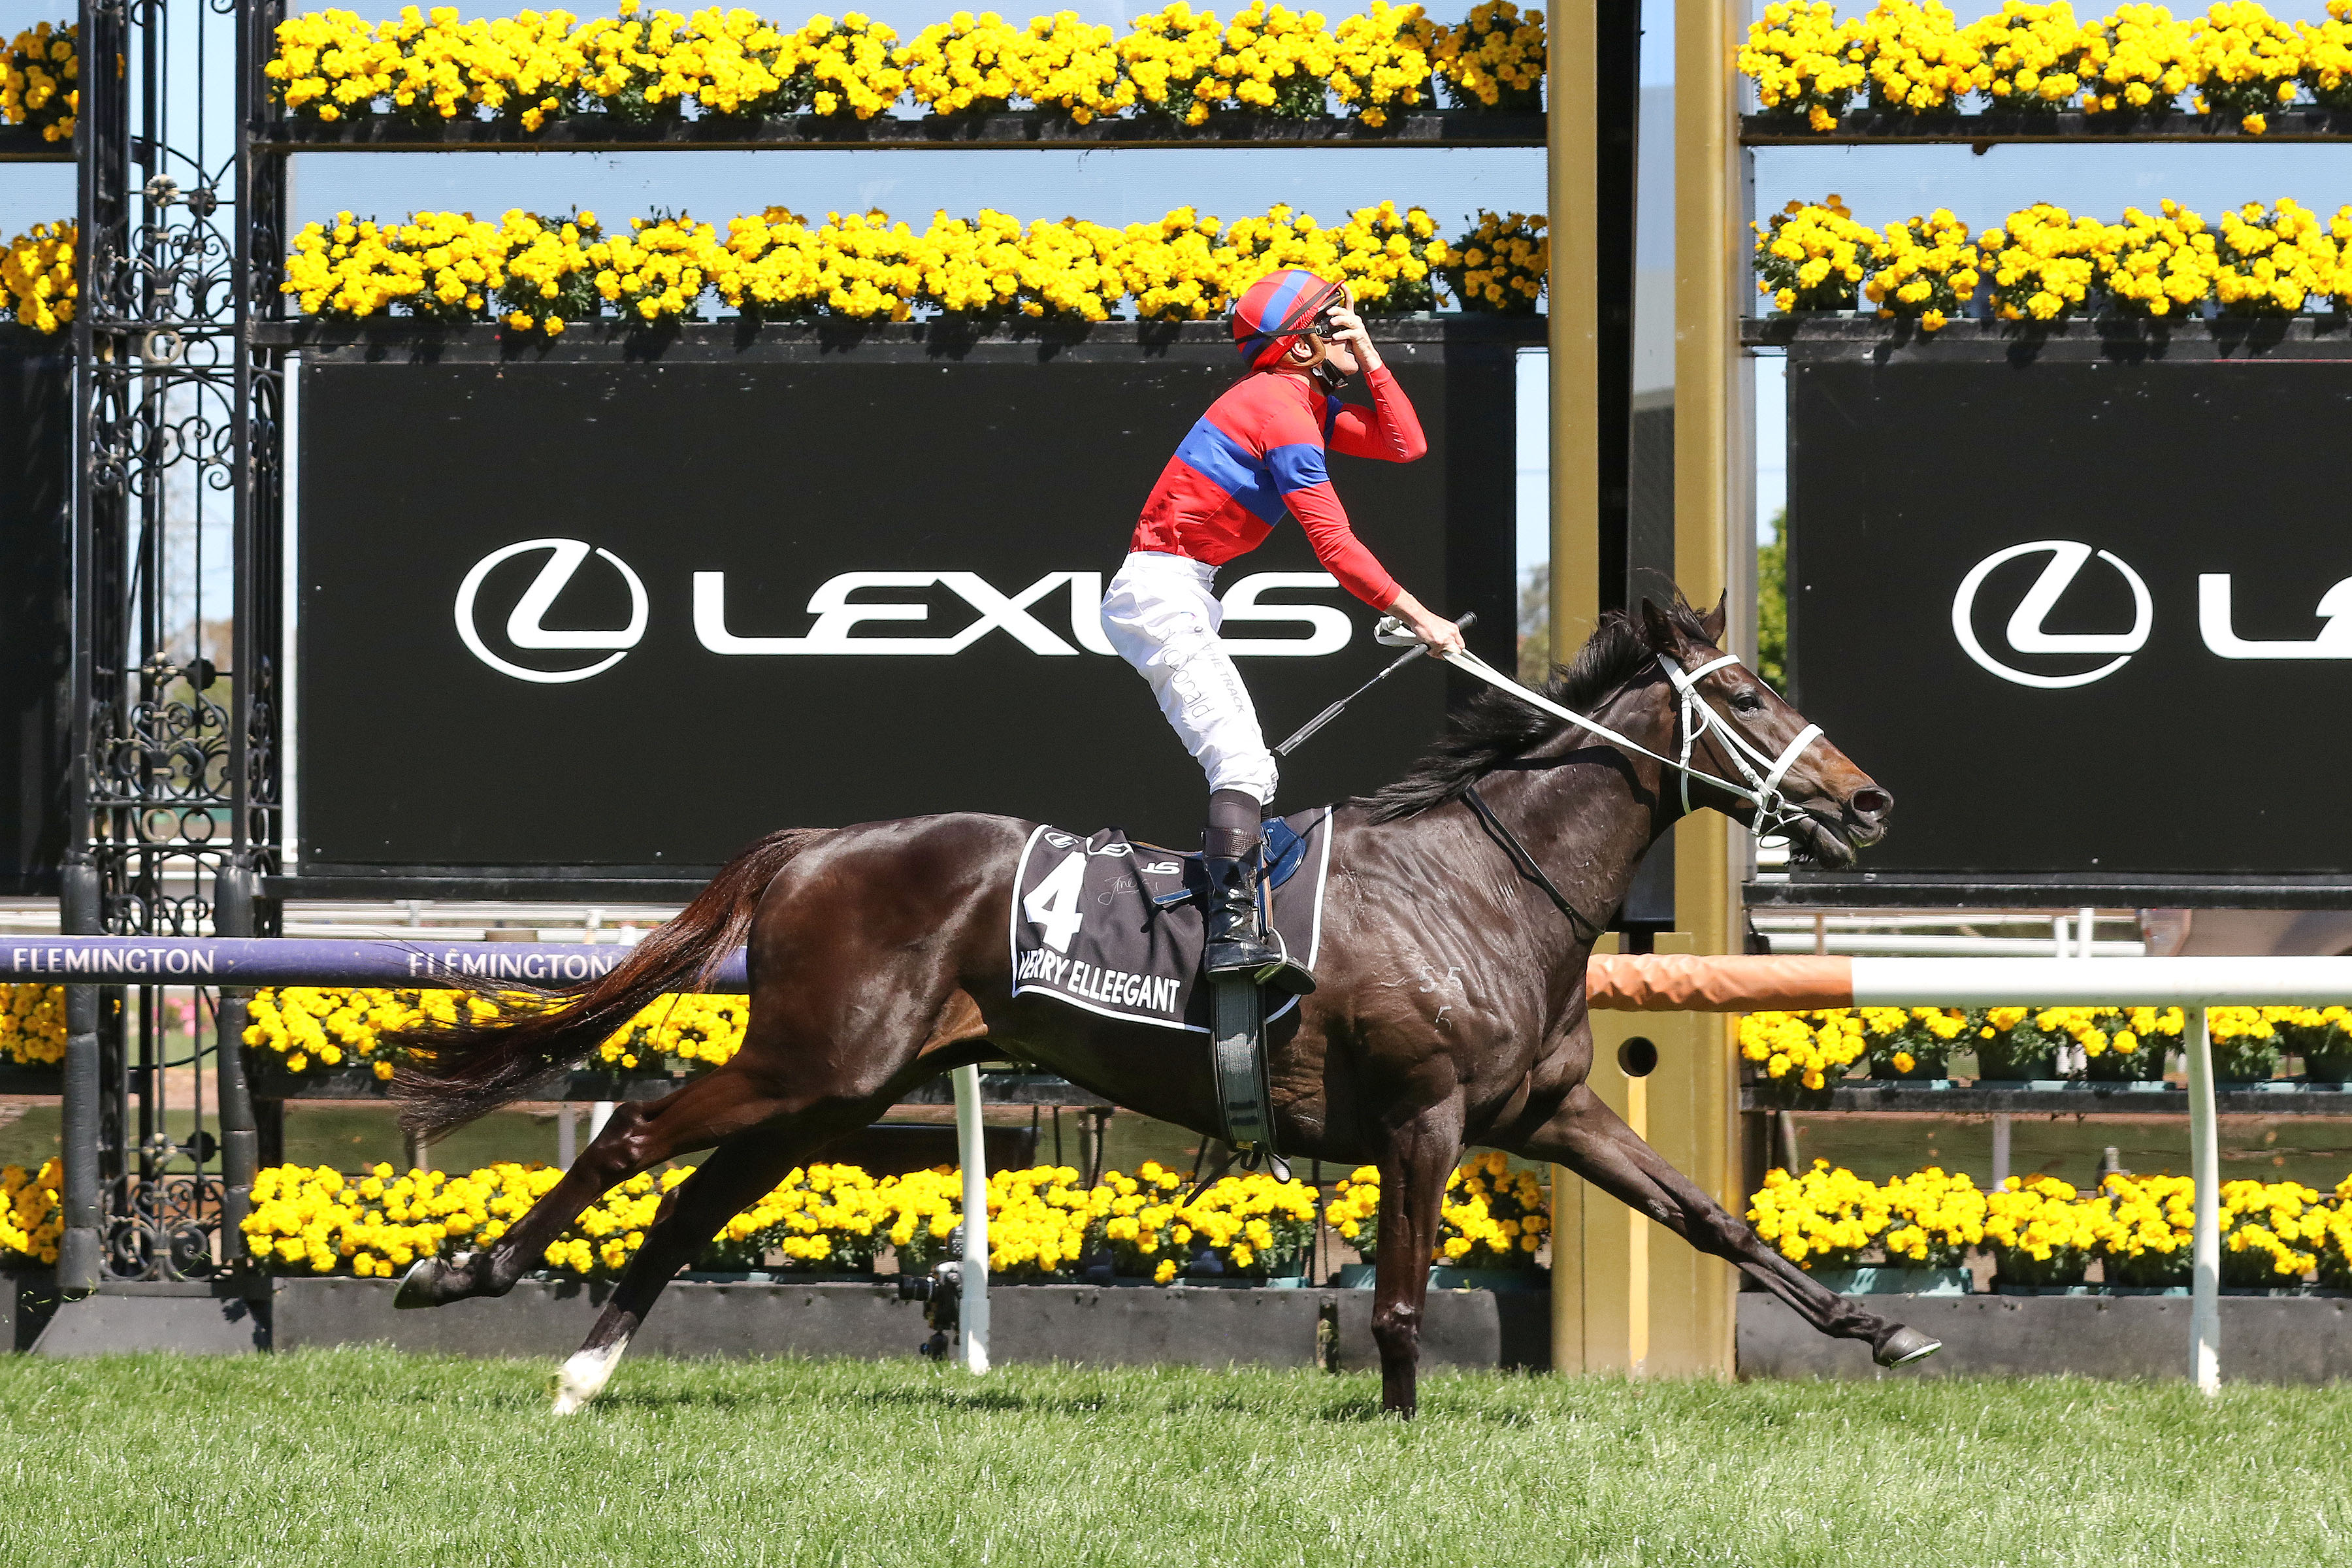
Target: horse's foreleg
point(1591, 1139)
point(637, 1137)
point(1413, 1167)
point(730, 1181)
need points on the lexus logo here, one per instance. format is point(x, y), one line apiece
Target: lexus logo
point(1075, 598)
point(525, 624)
point(2026, 633)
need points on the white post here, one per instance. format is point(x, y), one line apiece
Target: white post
point(2084, 931)
point(2000, 1148)
point(971, 1148)
point(2205, 1254)
point(567, 1135)
point(598, 1114)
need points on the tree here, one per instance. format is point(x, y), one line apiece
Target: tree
point(1535, 625)
point(1773, 604)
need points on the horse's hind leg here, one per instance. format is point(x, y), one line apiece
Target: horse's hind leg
point(1591, 1139)
point(1420, 1156)
point(637, 1137)
point(724, 1186)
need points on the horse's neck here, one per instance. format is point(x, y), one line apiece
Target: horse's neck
point(1588, 820)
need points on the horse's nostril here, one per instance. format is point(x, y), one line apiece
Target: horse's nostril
point(1871, 803)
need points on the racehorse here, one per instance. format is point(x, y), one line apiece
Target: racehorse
point(1451, 1010)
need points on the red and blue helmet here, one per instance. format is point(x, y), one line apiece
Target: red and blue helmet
point(1277, 310)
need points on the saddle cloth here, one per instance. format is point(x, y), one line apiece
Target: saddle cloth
point(1086, 930)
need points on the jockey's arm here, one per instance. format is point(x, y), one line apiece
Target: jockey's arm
point(1317, 507)
point(1389, 430)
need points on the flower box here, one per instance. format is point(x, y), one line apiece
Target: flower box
point(1896, 1281)
point(1362, 1277)
point(2000, 1289)
point(779, 1277)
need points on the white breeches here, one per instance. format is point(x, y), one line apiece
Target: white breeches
point(1162, 613)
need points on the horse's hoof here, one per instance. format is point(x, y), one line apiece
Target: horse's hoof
point(1905, 1346)
point(427, 1283)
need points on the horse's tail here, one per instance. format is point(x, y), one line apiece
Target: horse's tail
point(502, 1042)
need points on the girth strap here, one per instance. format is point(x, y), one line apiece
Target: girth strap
point(1525, 863)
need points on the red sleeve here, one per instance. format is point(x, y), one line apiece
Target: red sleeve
point(1293, 457)
point(1388, 430)
point(1343, 555)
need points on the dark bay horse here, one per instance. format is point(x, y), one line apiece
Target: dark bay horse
point(1451, 1013)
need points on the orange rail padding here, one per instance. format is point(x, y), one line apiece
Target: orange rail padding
point(1694, 983)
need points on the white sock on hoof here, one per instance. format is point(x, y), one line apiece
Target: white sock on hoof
point(584, 1375)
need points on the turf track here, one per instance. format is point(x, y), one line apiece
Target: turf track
point(374, 1458)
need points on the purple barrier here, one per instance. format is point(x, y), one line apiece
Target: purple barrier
point(313, 960)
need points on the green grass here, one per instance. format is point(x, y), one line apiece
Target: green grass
point(372, 1459)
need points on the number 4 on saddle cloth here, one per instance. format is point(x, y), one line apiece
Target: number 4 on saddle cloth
point(1102, 923)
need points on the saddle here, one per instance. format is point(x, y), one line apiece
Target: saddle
point(1116, 928)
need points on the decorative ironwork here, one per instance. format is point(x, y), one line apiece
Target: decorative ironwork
point(173, 792)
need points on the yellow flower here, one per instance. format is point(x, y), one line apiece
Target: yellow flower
point(32, 1216)
point(36, 276)
point(39, 70)
point(1494, 59)
point(1803, 60)
point(1815, 256)
point(1502, 265)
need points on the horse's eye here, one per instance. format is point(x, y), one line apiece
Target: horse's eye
point(1748, 701)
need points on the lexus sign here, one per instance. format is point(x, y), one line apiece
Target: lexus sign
point(2089, 618)
point(586, 612)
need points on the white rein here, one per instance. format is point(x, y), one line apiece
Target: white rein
point(1762, 790)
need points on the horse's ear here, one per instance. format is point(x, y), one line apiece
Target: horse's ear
point(1712, 622)
point(1659, 627)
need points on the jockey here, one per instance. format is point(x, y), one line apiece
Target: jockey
point(1254, 456)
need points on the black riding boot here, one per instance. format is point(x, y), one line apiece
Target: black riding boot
point(1237, 944)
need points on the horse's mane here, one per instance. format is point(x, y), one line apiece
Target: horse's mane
point(1493, 727)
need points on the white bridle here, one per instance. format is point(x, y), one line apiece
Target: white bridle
point(1762, 790)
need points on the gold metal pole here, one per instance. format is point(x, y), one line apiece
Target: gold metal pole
point(1574, 165)
point(1572, 173)
point(1694, 1093)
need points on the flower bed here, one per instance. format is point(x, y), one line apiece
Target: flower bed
point(40, 71)
point(1801, 1052)
point(1044, 1225)
point(2137, 63)
point(2045, 264)
point(308, 1027)
point(544, 273)
point(1494, 1217)
point(2044, 1234)
point(643, 66)
point(32, 1024)
point(36, 276)
point(32, 1216)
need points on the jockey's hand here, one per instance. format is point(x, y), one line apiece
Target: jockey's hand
point(1348, 332)
point(1441, 636)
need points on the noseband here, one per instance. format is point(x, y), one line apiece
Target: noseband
point(1762, 790)
point(1699, 717)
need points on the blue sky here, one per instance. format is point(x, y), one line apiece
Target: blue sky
point(1881, 184)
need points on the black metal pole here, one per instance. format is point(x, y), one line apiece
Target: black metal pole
point(240, 1135)
point(97, 132)
point(1617, 38)
point(80, 1256)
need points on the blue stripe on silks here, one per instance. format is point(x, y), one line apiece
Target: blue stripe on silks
point(1297, 467)
point(1271, 317)
point(1331, 406)
point(1227, 464)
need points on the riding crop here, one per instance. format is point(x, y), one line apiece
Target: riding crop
point(1465, 621)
